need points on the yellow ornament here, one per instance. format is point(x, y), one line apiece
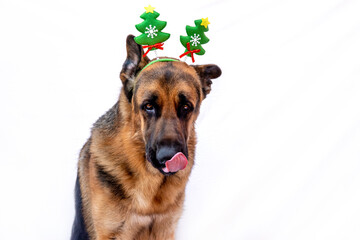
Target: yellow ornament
point(149, 9)
point(205, 22)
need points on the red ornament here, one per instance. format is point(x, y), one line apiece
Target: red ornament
point(156, 45)
point(191, 52)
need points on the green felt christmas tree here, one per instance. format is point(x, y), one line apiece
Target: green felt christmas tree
point(195, 38)
point(151, 29)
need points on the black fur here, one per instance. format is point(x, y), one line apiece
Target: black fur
point(78, 230)
point(129, 172)
point(110, 182)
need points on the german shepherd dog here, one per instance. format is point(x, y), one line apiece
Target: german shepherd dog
point(133, 170)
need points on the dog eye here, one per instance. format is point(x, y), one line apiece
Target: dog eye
point(149, 107)
point(186, 108)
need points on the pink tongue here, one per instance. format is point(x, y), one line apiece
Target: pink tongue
point(176, 163)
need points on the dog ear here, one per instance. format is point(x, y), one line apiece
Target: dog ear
point(206, 73)
point(133, 64)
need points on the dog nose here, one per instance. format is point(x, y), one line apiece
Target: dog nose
point(165, 153)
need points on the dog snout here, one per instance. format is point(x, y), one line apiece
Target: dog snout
point(167, 149)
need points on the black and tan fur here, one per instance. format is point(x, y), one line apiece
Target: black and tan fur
point(121, 191)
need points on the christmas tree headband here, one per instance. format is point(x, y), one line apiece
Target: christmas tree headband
point(152, 37)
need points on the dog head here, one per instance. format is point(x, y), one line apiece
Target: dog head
point(165, 99)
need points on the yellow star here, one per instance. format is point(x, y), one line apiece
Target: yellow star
point(205, 22)
point(149, 9)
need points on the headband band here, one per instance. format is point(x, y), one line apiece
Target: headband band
point(160, 60)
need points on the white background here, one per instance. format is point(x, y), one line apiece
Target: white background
point(279, 136)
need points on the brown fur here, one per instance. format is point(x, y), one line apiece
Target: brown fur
point(123, 195)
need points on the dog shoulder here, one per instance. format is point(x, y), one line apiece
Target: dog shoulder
point(108, 122)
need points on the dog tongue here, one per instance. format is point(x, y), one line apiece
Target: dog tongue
point(176, 163)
